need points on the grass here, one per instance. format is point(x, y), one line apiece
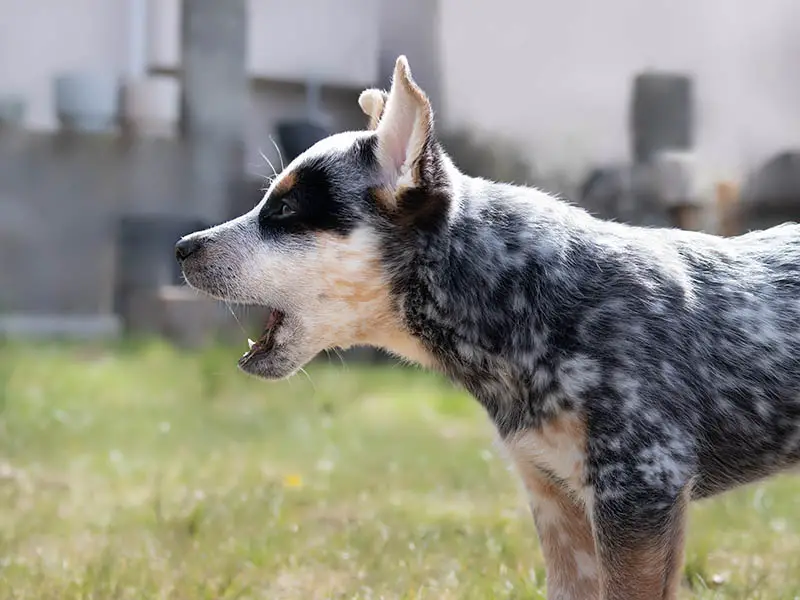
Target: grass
point(144, 472)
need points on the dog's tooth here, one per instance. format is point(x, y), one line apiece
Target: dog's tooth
point(250, 343)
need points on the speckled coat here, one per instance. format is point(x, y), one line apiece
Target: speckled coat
point(628, 370)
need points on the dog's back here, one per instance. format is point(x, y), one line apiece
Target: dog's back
point(742, 352)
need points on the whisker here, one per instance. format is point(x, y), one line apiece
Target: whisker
point(269, 162)
point(280, 156)
point(338, 353)
point(235, 317)
point(313, 387)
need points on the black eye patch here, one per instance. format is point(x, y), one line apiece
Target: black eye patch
point(282, 208)
point(305, 201)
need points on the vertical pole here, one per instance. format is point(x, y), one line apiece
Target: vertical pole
point(214, 99)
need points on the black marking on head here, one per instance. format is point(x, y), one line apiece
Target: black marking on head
point(423, 209)
point(314, 204)
point(365, 153)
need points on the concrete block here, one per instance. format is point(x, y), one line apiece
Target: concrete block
point(74, 327)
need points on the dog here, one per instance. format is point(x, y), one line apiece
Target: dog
point(628, 370)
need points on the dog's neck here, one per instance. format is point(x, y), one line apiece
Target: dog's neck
point(487, 294)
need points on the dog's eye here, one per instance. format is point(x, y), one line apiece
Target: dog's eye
point(285, 210)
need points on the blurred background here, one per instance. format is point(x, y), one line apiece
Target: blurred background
point(124, 123)
point(136, 462)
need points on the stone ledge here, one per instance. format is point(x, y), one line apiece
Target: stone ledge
point(81, 327)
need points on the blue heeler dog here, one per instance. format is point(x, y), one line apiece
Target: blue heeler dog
point(628, 370)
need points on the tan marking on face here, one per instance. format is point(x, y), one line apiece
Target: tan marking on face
point(285, 184)
point(353, 286)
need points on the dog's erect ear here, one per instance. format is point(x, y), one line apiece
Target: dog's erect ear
point(405, 130)
point(372, 102)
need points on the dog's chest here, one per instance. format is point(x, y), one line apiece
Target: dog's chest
point(557, 448)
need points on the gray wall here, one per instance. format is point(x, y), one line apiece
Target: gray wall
point(59, 200)
point(556, 76)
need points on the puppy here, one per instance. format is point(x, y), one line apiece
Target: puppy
point(628, 370)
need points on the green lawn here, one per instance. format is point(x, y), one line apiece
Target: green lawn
point(151, 473)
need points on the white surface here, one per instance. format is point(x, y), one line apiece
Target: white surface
point(333, 41)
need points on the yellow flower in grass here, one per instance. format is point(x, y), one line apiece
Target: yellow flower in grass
point(292, 480)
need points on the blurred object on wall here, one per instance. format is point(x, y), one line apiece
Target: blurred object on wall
point(676, 184)
point(151, 106)
point(13, 109)
point(296, 136)
point(179, 314)
point(661, 114)
point(727, 206)
point(607, 192)
point(87, 102)
point(771, 194)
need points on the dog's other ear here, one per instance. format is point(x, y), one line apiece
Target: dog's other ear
point(372, 103)
point(405, 130)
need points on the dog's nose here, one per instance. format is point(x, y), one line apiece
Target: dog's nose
point(186, 247)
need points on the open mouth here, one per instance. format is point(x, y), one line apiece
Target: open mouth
point(260, 348)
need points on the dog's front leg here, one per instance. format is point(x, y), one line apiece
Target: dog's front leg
point(640, 545)
point(565, 535)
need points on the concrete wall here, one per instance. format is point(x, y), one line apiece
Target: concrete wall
point(557, 75)
point(59, 204)
point(337, 43)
